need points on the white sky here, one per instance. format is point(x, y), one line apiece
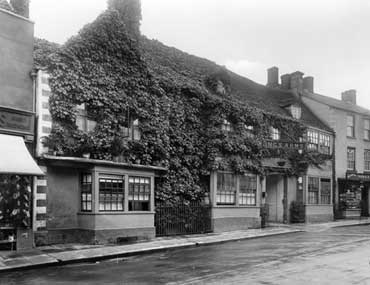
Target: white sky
point(327, 39)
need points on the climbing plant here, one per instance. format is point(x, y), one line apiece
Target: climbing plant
point(181, 105)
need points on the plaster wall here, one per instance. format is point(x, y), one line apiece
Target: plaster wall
point(16, 62)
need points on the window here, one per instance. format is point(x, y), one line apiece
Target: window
point(367, 159)
point(366, 129)
point(312, 140)
point(83, 120)
point(249, 131)
point(111, 193)
point(226, 126)
point(248, 190)
point(350, 126)
point(313, 190)
point(86, 193)
point(325, 143)
point(226, 189)
point(132, 132)
point(139, 193)
point(325, 190)
point(296, 112)
point(351, 158)
point(275, 134)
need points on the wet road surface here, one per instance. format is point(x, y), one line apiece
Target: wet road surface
point(333, 256)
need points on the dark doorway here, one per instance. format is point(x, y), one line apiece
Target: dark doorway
point(365, 201)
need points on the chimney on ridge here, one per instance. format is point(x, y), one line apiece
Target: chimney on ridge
point(349, 96)
point(285, 81)
point(21, 7)
point(296, 81)
point(308, 84)
point(273, 77)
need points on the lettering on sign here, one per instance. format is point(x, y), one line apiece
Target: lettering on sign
point(14, 121)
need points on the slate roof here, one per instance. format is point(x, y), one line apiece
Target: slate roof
point(336, 103)
point(176, 63)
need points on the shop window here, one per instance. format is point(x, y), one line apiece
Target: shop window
point(139, 193)
point(84, 121)
point(226, 126)
point(226, 189)
point(313, 190)
point(351, 158)
point(86, 192)
point(325, 191)
point(367, 159)
point(312, 140)
point(367, 129)
point(275, 134)
point(111, 193)
point(350, 126)
point(247, 190)
point(325, 143)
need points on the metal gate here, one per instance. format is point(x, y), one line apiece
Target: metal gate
point(183, 219)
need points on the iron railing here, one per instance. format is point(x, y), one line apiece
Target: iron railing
point(183, 218)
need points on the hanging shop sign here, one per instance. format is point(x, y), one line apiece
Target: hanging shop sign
point(16, 121)
point(358, 176)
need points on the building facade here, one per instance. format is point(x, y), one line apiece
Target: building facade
point(351, 124)
point(18, 170)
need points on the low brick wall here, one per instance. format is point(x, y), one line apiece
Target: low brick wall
point(60, 236)
point(319, 213)
point(235, 218)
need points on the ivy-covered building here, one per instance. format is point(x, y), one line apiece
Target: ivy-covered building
point(127, 123)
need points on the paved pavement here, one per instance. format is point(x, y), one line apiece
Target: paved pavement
point(73, 253)
point(332, 256)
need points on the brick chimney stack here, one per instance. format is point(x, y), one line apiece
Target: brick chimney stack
point(349, 96)
point(285, 81)
point(308, 84)
point(273, 77)
point(21, 7)
point(296, 81)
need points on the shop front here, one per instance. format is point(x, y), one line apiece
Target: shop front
point(354, 195)
point(97, 201)
point(17, 175)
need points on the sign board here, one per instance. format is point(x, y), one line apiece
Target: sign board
point(358, 176)
point(16, 121)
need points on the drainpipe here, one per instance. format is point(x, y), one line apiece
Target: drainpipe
point(335, 206)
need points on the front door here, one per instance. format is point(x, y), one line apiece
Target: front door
point(274, 198)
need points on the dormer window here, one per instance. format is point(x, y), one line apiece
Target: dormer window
point(226, 126)
point(295, 111)
point(84, 121)
point(275, 134)
point(249, 130)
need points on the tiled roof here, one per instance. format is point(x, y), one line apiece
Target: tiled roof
point(335, 103)
point(175, 63)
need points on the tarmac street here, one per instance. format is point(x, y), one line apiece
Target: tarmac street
point(330, 256)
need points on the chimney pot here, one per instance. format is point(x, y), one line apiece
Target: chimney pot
point(349, 96)
point(273, 77)
point(308, 83)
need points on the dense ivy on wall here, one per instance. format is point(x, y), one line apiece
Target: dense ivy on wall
point(180, 109)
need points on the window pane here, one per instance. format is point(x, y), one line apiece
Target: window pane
point(86, 192)
point(247, 190)
point(139, 193)
point(226, 188)
point(111, 194)
point(351, 158)
point(313, 190)
point(325, 191)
